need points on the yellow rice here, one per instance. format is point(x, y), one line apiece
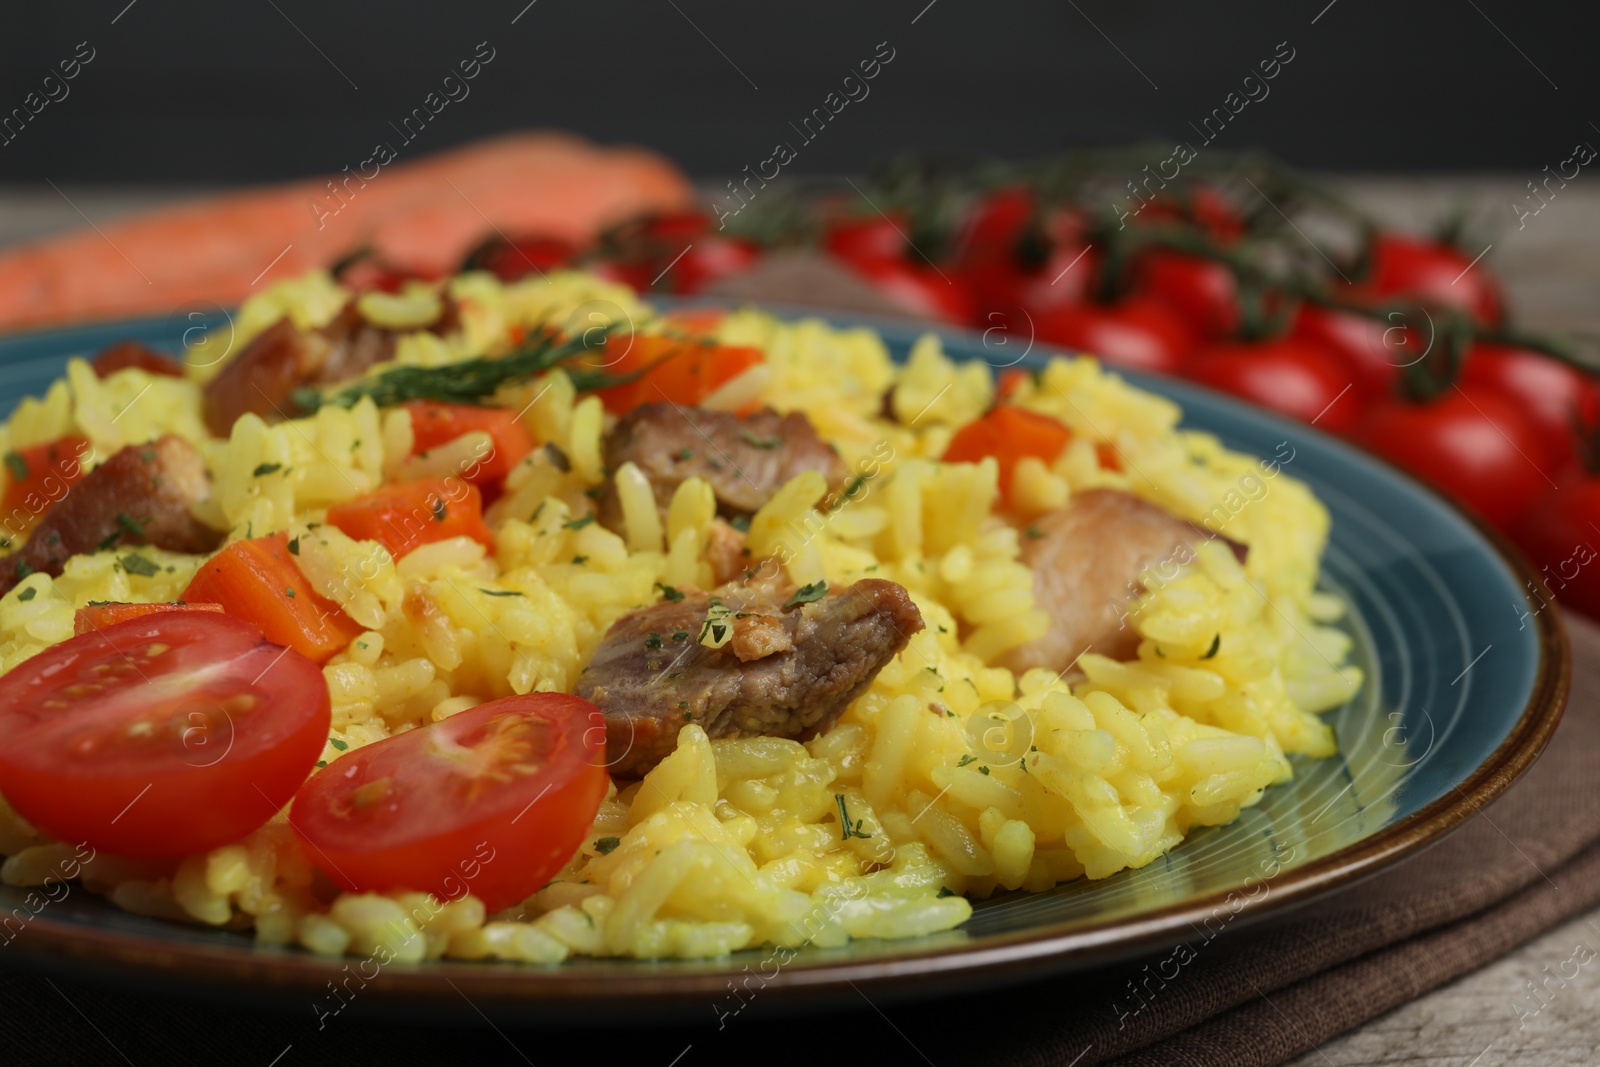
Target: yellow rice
point(959, 780)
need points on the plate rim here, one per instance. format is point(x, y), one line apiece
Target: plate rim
point(563, 991)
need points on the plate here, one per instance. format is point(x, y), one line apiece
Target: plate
point(1466, 680)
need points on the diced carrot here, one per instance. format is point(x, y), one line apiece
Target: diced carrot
point(1011, 380)
point(434, 424)
point(696, 320)
point(259, 581)
point(1008, 433)
point(97, 615)
point(675, 369)
point(37, 477)
point(407, 515)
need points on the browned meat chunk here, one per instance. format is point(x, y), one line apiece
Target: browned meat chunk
point(140, 496)
point(262, 378)
point(1087, 560)
point(745, 459)
point(125, 354)
point(785, 672)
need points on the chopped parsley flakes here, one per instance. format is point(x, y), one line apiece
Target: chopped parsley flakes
point(806, 594)
point(134, 563)
point(606, 845)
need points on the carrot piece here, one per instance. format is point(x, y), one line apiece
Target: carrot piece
point(1011, 380)
point(258, 580)
point(407, 515)
point(1009, 434)
point(97, 615)
point(673, 369)
point(434, 424)
point(37, 477)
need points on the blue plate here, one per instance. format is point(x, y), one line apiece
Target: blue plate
point(1466, 680)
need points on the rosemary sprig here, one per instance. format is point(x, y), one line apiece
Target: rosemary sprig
point(474, 381)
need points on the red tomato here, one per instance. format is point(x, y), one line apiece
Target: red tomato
point(434, 424)
point(258, 581)
point(36, 477)
point(513, 259)
point(1561, 399)
point(1559, 535)
point(407, 515)
point(996, 224)
point(921, 290)
point(161, 736)
point(437, 809)
point(1203, 206)
point(1067, 276)
point(705, 261)
point(1009, 434)
point(1472, 444)
point(1375, 351)
point(868, 238)
point(675, 369)
point(97, 615)
point(1140, 333)
point(125, 354)
point(1296, 378)
point(1203, 290)
point(1434, 273)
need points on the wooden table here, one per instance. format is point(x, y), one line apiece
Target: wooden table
point(1551, 264)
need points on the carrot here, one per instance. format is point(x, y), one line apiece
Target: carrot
point(258, 580)
point(37, 477)
point(434, 424)
point(407, 515)
point(1009, 434)
point(99, 614)
point(681, 371)
point(424, 213)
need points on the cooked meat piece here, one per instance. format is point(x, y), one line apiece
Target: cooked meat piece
point(125, 354)
point(282, 358)
point(745, 459)
point(140, 496)
point(726, 552)
point(1087, 559)
point(784, 673)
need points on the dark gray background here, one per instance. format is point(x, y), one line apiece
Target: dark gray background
point(187, 91)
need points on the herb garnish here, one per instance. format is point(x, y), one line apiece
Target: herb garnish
point(579, 523)
point(498, 592)
point(754, 441)
point(17, 466)
point(669, 593)
point(267, 468)
point(606, 845)
point(653, 641)
point(134, 563)
point(1216, 643)
point(806, 594)
point(848, 829)
point(28, 593)
point(132, 525)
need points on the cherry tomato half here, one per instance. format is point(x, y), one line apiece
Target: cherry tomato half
point(491, 801)
point(164, 735)
point(1472, 444)
point(1300, 379)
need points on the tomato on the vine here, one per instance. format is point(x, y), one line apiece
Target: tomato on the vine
point(509, 260)
point(1434, 273)
point(1562, 400)
point(1297, 378)
point(921, 290)
point(867, 238)
point(1139, 333)
point(167, 734)
point(1203, 290)
point(1472, 444)
point(1376, 352)
point(1558, 534)
point(491, 801)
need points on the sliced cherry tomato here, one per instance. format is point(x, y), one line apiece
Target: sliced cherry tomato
point(434, 424)
point(491, 801)
point(1203, 290)
point(1470, 443)
point(258, 580)
point(407, 515)
point(98, 615)
point(1562, 400)
point(868, 238)
point(1297, 378)
point(1140, 333)
point(166, 735)
point(1009, 434)
point(919, 289)
point(1558, 534)
point(1434, 273)
point(125, 354)
point(681, 370)
point(1376, 351)
point(37, 477)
